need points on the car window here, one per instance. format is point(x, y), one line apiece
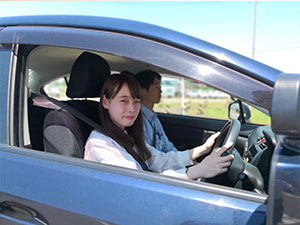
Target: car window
point(57, 88)
point(258, 116)
point(184, 96)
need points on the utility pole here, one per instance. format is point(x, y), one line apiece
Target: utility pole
point(254, 29)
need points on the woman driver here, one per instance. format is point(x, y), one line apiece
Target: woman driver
point(123, 143)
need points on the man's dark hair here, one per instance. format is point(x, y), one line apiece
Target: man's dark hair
point(127, 72)
point(146, 78)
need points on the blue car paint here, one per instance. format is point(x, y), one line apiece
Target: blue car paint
point(5, 56)
point(163, 199)
point(285, 195)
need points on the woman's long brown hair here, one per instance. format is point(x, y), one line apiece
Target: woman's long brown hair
point(135, 133)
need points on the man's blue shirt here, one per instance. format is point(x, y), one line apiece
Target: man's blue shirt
point(150, 121)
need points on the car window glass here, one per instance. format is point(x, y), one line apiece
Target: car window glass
point(57, 88)
point(258, 117)
point(184, 96)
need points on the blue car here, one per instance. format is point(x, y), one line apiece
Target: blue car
point(55, 65)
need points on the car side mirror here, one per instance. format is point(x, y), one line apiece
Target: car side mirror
point(235, 112)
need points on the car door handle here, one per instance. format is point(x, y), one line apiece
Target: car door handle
point(20, 214)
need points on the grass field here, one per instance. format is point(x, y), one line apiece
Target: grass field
point(210, 108)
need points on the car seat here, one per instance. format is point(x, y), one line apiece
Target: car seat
point(64, 133)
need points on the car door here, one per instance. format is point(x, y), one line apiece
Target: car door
point(42, 188)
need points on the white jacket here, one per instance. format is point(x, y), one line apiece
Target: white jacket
point(103, 149)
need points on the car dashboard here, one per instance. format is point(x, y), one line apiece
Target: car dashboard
point(258, 142)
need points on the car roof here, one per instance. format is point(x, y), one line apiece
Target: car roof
point(197, 46)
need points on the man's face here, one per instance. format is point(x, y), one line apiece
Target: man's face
point(153, 94)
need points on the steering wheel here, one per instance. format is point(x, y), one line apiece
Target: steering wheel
point(240, 174)
point(229, 133)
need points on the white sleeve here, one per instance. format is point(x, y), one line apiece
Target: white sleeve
point(104, 150)
point(181, 173)
point(160, 161)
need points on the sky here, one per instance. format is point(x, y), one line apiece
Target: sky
point(230, 24)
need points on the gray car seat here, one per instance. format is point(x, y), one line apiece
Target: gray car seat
point(64, 132)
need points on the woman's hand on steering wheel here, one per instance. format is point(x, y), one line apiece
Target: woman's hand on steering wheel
point(212, 165)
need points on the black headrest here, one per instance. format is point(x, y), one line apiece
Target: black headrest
point(285, 112)
point(88, 74)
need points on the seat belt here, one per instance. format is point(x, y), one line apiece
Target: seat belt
point(46, 102)
point(51, 103)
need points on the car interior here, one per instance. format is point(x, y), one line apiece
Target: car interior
point(62, 126)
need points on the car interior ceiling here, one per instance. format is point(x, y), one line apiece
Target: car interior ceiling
point(43, 58)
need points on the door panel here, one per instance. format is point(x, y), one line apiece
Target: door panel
point(25, 213)
point(61, 187)
point(187, 132)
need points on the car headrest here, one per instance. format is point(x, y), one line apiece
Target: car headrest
point(285, 112)
point(88, 74)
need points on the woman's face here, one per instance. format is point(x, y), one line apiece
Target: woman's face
point(123, 108)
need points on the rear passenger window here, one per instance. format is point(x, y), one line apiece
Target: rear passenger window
point(57, 88)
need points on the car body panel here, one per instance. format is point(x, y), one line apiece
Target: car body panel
point(284, 191)
point(5, 56)
point(112, 189)
point(285, 194)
